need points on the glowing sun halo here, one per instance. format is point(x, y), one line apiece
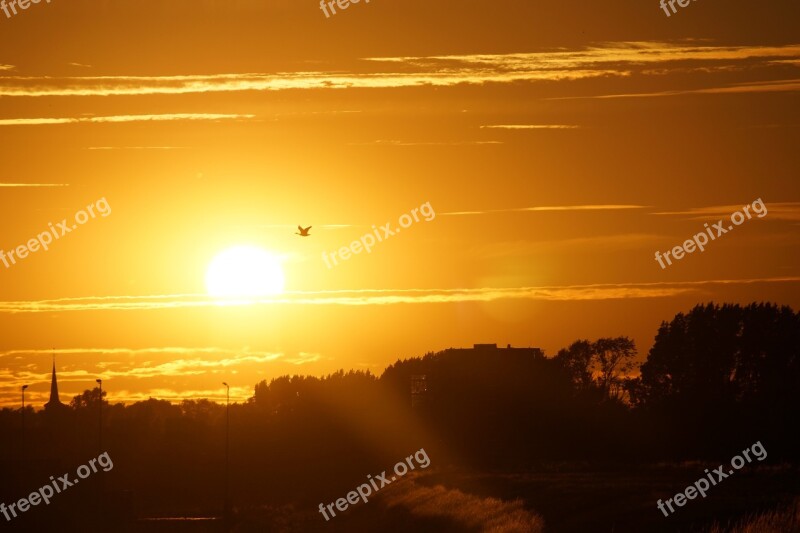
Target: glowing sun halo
point(244, 271)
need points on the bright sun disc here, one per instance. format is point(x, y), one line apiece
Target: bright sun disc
point(244, 271)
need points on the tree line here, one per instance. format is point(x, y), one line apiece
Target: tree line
point(716, 378)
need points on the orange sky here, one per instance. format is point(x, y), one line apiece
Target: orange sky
point(211, 124)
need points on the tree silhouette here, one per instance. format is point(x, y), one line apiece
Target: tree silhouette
point(599, 366)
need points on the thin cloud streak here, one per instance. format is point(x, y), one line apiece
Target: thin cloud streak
point(775, 211)
point(413, 143)
point(34, 184)
point(364, 297)
point(610, 207)
point(530, 127)
point(121, 118)
point(167, 350)
point(605, 60)
point(177, 368)
point(754, 87)
point(136, 86)
point(136, 147)
point(240, 394)
point(636, 52)
point(8, 395)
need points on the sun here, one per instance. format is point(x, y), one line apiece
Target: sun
point(244, 271)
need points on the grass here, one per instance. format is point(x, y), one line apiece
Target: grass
point(781, 520)
point(487, 515)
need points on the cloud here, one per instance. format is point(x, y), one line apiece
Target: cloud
point(634, 52)
point(215, 358)
point(9, 397)
point(238, 394)
point(530, 127)
point(34, 184)
point(607, 59)
point(775, 211)
point(121, 118)
point(752, 87)
point(133, 85)
point(136, 147)
point(325, 226)
point(366, 297)
point(167, 350)
point(600, 207)
point(413, 143)
point(628, 241)
point(304, 358)
point(86, 364)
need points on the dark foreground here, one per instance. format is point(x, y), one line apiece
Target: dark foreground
point(554, 499)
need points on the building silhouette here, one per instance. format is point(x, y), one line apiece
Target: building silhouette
point(419, 386)
point(429, 374)
point(55, 402)
point(493, 350)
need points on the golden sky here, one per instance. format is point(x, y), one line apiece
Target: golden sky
point(560, 147)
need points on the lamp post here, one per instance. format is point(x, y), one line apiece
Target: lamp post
point(23, 421)
point(227, 448)
point(100, 417)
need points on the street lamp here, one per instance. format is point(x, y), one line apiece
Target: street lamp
point(23, 420)
point(100, 417)
point(227, 448)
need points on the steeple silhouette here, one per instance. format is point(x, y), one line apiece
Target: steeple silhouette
point(54, 400)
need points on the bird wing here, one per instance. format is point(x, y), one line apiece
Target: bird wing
point(308, 228)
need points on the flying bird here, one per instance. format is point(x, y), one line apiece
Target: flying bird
point(303, 231)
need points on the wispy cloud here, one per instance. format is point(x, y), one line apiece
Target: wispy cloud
point(34, 184)
point(627, 241)
point(135, 363)
point(601, 207)
point(608, 59)
point(238, 394)
point(304, 358)
point(191, 361)
point(739, 88)
point(149, 85)
point(318, 226)
point(8, 395)
point(366, 297)
point(635, 52)
point(136, 147)
point(166, 350)
point(775, 211)
point(530, 127)
point(122, 118)
point(421, 143)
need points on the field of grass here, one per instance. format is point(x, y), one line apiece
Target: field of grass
point(557, 499)
point(780, 520)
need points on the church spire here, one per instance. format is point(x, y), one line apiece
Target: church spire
point(54, 400)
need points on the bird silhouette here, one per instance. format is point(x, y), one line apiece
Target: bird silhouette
point(303, 231)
